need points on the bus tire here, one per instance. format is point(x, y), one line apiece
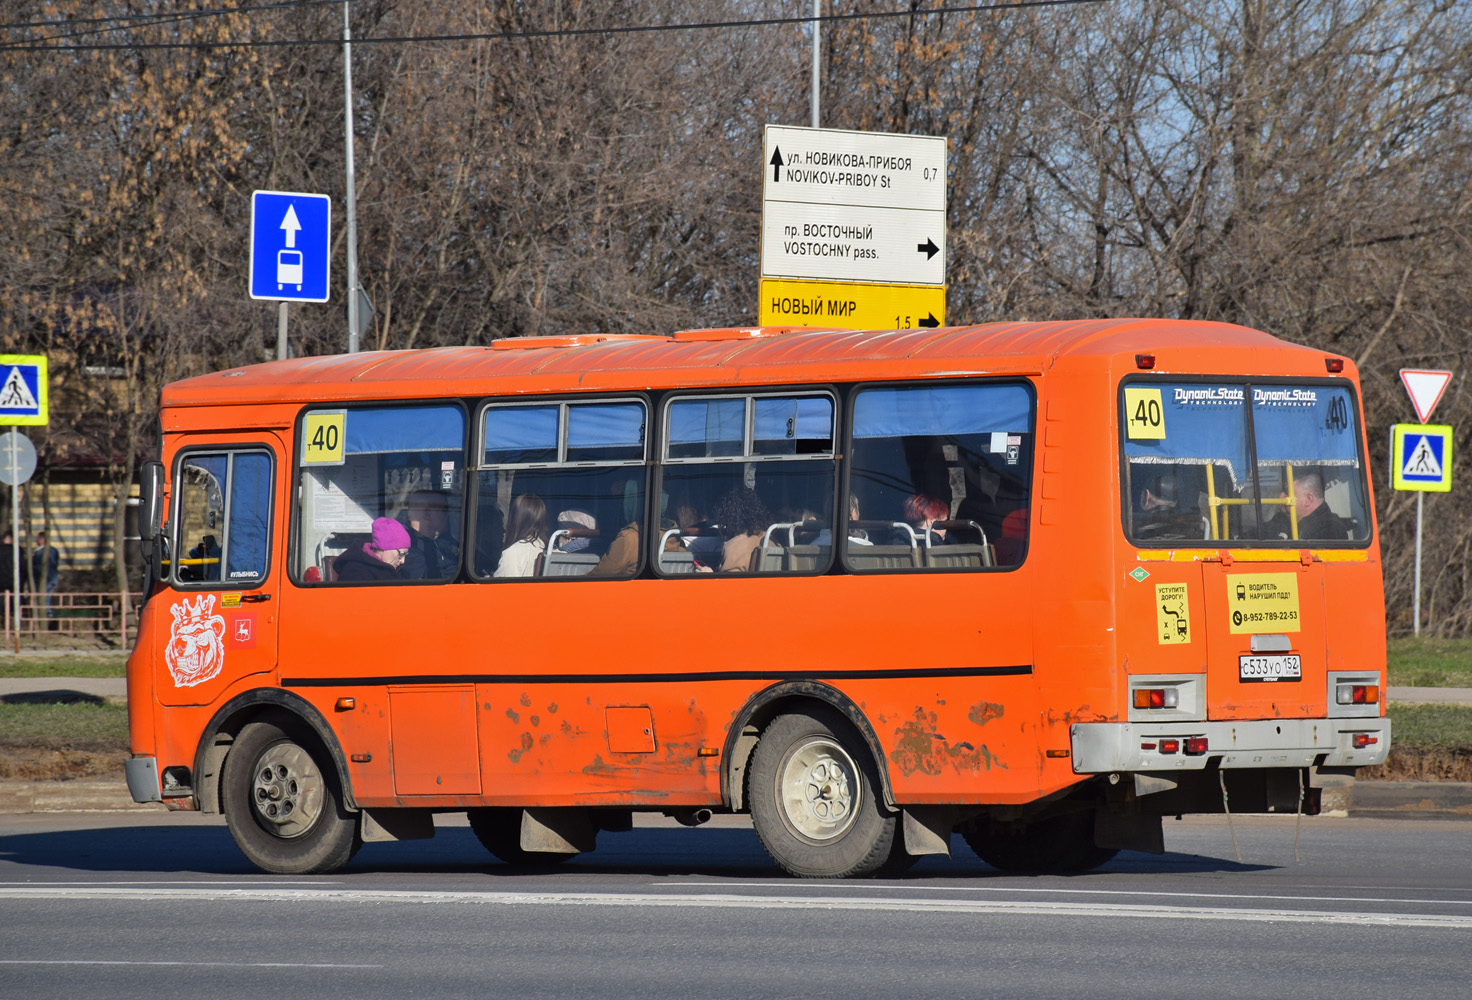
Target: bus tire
point(1058, 845)
point(284, 802)
point(812, 796)
point(499, 831)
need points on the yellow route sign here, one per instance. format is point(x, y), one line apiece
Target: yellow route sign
point(322, 437)
point(851, 305)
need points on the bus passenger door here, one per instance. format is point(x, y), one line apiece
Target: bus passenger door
point(225, 568)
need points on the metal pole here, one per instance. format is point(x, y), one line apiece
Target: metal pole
point(281, 331)
point(817, 38)
point(14, 459)
point(1416, 603)
point(347, 77)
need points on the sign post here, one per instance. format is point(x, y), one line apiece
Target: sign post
point(23, 401)
point(853, 229)
point(1421, 455)
point(290, 240)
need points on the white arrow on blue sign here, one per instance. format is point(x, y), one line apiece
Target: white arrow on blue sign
point(290, 236)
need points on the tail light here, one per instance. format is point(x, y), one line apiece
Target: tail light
point(1156, 697)
point(1361, 740)
point(1170, 746)
point(1357, 694)
point(1195, 745)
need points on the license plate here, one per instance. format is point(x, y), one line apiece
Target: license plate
point(1278, 667)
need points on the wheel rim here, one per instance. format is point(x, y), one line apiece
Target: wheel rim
point(819, 789)
point(287, 790)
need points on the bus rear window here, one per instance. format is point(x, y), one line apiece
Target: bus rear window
point(1258, 463)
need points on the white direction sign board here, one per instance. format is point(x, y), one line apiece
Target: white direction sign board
point(853, 206)
point(1425, 388)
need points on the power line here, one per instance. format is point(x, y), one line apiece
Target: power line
point(146, 20)
point(554, 32)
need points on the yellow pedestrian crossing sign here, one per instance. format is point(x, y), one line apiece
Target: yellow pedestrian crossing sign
point(1421, 457)
point(23, 389)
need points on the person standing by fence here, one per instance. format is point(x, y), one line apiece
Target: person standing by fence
point(45, 571)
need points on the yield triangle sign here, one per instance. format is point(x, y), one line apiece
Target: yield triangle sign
point(1425, 388)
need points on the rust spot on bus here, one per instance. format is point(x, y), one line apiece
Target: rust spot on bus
point(512, 714)
point(526, 700)
point(985, 711)
point(536, 721)
point(919, 747)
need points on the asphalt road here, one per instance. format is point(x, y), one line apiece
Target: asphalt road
point(148, 905)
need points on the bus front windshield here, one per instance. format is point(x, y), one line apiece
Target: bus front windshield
point(1245, 463)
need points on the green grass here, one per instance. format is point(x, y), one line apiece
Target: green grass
point(1427, 726)
point(66, 665)
point(1423, 662)
point(74, 726)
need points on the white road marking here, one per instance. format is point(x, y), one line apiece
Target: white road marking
point(191, 963)
point(1088, 892)
point(729, 901)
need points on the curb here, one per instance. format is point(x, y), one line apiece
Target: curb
point(19, 797)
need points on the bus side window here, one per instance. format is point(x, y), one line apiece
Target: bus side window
point(560, 489)
point(747, 484)
point(402, 462)
point(941, 477)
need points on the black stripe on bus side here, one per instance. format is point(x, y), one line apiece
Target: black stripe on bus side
point(683, 678)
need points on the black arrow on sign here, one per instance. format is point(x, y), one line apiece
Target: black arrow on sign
point(930, 320)
point(928, 248)
point(776, 162)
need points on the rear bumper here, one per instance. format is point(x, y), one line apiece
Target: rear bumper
point(1102, 747)
point(142, 774)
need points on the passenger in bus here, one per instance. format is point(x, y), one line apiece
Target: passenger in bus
point(921, 512)
point(427, 516)
point(856, 535)
point(575, 520)
point(1315, 519)
point(527, 530)
point(743, 519)
point(490, 536)
point(1155, 515)
point(377, 559)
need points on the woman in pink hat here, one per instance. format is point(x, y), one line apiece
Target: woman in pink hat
point(379, 558)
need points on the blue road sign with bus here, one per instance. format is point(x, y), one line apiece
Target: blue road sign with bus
point(23, 396)
point(290, 236)
point(1421, 457)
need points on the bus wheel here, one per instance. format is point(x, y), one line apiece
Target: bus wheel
point(283, 802)
point(499, 831)
point(1054, 846)
point(813, 804)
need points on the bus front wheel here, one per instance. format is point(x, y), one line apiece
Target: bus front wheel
point(283, 801)
point(813, 803)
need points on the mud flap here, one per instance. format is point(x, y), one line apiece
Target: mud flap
point(928, 829)
point(558, 831)
point(396, 824)
point(1128, 831)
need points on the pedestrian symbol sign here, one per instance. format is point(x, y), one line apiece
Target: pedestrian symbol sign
point(1421, 457)
point(23, 389)
point(290, 236)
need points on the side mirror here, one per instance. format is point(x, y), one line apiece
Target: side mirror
point(150, 501)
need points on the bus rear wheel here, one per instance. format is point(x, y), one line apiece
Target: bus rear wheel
point(813, 802)
point(499, 831)
point(283, 801)
point(1058, 845)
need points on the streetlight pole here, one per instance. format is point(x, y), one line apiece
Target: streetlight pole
point(352, 199)
point(817, 37)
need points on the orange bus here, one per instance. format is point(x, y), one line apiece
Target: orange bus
point(1040, 584)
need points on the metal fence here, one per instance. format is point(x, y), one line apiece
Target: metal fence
point(105, 616)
